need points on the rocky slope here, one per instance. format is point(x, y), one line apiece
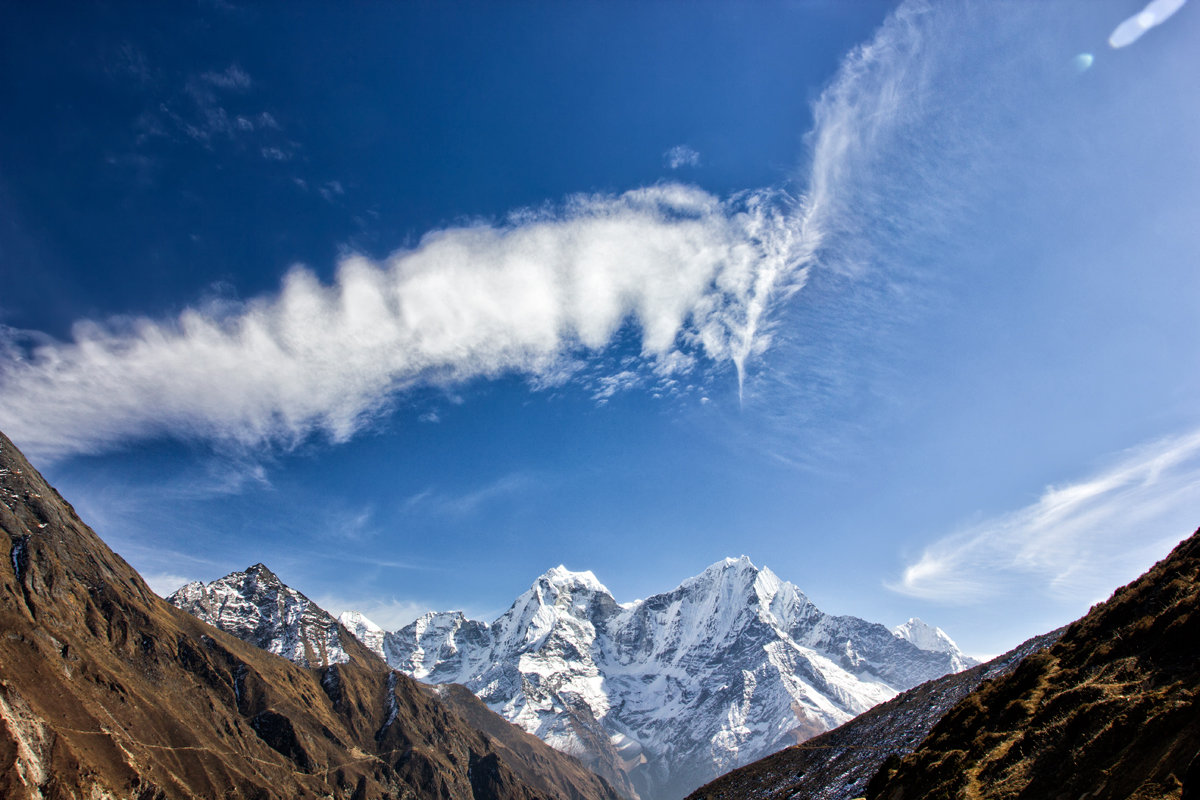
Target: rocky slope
point(837, 765)
point(107, 691)
point(258, 608)
point(1110, 711)
point(666, 693)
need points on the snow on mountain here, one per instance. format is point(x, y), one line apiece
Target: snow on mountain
point(664, 694)
point(658, 696)
point(257, 607)
point(364, 630)
point(928, 637)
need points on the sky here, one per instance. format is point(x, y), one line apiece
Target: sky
point(415, 301)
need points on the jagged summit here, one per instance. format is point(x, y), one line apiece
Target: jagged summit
point(934, 639)
point(741, 654)
point(561, 576)
point(257, 607)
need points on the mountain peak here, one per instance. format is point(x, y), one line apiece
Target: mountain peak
point(933, 639)
point(741, 562)
point(561, 577)
point(262, 571)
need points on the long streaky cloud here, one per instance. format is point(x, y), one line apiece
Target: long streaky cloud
point(693, 273)
point(1076, 541)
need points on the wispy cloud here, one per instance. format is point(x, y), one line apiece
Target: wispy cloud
point(695, 275)
point(164, 584)
point(447, 504)
point(232, 77)
point(681, 156)
point(390, 614)
point(1076, 541)
point(201, 113)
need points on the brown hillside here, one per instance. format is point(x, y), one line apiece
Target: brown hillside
point(106, 691)
point(838, 764)
point(1111, 711)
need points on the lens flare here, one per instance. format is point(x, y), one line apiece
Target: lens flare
point(1155, 13)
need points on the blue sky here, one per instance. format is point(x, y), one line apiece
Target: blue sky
point(414, 301)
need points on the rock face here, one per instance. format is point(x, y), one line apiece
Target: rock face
point(662, 695)
point(107, 691)
point(1110, 711)
point(258, 608)
point(837, 765)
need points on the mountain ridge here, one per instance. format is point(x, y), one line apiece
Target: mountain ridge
point(838, 764)
point(736, 650)
point(741, 653)
point(107, 691)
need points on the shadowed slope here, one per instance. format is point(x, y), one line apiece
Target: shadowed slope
point(837, 764)
point(108, 691)
point(1111, 711)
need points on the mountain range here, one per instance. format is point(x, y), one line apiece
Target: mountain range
point(108, 692)
point(745, 657)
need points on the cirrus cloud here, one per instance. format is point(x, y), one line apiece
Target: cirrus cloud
point(1076, 541)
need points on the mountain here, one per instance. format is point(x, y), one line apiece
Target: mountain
point(258, 608)
point(107, 691)
point(838, 764)
point(1112, 710)
point(364, 630)
point(663, 694)
point(929, 637)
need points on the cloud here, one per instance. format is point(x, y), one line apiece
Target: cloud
point(1155, 13)
point(331, 190)
point(438, 503)
point(1076, 541)
point(693, 275)
point(390, 614)
point(164, 584)
point(231, 78)
point(681, 156)
point(609, 385)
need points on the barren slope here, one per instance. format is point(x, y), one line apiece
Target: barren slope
point(1111, 711)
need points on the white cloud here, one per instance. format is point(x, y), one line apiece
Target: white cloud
point(609, 385)
point(1075, 542)
point(681, 156)
point(165, 583)
point(390, 614)
point(695, 275)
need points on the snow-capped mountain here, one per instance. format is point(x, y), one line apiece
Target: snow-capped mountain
point(664, 694)
point(658, 696)
point(364, 630)
point(257, 607)
point(929, 637)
